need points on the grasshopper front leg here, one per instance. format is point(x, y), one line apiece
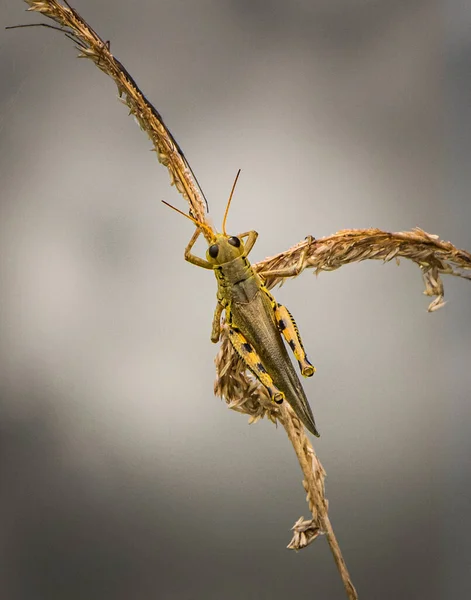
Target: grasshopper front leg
point(251, 239)
point(200, 262)
point(191, 258)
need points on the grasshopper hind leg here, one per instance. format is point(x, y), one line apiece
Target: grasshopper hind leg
point(287, 326)
point(252, 360)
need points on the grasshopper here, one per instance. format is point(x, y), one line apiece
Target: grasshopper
point(257, 322)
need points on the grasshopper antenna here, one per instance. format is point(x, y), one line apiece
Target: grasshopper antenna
point(195, 221)
point(229, 203)
point(68, 34)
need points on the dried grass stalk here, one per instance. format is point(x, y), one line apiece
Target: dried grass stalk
point(90, 45)
point(234, 383)
point(434, 256)
point(243, 393)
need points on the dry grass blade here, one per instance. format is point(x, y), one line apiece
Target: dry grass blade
point(245, 394)
point(91, 46)
point(434, 256)
point(314, 475)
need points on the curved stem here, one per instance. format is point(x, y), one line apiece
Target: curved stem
point(314, 478)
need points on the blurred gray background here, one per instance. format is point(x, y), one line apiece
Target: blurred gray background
point(122, 477)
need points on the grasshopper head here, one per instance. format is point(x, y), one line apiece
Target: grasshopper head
point(224, 248)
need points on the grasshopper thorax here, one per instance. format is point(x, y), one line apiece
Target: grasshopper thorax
point(224, 248)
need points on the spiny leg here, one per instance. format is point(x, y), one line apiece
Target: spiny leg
point(252, 360)
point(289, 329)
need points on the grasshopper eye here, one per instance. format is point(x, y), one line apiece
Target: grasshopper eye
point(213, 250)
point(234, 241)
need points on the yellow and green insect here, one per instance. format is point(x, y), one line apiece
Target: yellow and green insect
point(257, 323)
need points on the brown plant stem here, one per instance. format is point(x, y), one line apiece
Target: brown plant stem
point(315, 490)
point(245, 394)
point(90, 45)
